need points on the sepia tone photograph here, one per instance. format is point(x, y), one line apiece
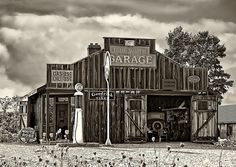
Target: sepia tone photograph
point(126, 83)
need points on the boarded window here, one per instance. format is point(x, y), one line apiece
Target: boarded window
point(203, 105)
point(135, 104)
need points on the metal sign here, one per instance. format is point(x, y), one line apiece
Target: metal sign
point(101, 95)
point(79, 87)
point(194, 79)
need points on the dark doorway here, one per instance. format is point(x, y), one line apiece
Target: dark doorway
point(169, 115)
point(62, 118)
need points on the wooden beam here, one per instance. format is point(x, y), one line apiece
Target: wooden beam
point(29, 111)
point(176, 108)
point(54, 117)
point(47, 116)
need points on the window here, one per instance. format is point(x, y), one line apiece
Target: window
point(202, 105)
point(135, 104)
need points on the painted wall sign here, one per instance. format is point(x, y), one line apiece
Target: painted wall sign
point(138, 56)
point(194, 79)
point(169, 84)
point(62, 76)
point(101, 95)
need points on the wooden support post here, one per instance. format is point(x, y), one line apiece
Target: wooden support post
point(47, 116)
point(69, 119)
point(20, 122)
point(54, 118)
point(29, 110)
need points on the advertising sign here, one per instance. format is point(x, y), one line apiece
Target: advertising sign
point(101, 95)
point(138, 56)
point(193, 79)
point(62, 76)
point(168, 84)
point(27, 135)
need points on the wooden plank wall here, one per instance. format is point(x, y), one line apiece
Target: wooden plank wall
point(135, 117)
point(95, 117)
point(199, 117)
point(224, 131)
point(90, 72)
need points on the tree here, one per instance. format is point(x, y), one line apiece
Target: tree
point(9, 121)
point(5, 103)
point(9, 102)
point(200, 50)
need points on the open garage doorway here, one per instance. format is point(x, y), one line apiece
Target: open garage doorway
point(168, 117)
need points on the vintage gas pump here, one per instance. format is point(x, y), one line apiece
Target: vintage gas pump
point(78, 122)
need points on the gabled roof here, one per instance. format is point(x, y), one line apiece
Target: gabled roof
point(35, 91)
point(227, 114)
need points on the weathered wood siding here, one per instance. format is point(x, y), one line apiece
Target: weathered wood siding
point(204, 121)
point(95, 116)
point(135, 118)
point(90, 72)
point(224, 131)
point(34, 113)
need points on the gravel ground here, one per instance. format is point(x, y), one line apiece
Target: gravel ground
point(194, 155)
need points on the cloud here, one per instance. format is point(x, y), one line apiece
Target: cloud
point(29, 41)
point(162, 10)
point(4, 55)
point(92, 8)
point(197, 1)
point(11, 88)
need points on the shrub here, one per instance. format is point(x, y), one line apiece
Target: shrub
point(9, 126)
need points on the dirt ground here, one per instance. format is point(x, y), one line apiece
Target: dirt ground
point(153, 154)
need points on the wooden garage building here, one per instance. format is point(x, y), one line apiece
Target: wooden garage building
point(147, 90)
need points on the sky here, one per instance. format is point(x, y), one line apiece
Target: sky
point(36, 32)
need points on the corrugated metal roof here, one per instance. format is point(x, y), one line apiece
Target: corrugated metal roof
point(227, 114)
